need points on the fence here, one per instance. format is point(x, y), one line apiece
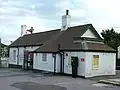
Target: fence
point(4, 62)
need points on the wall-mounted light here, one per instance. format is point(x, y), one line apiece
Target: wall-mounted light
point(66, 54)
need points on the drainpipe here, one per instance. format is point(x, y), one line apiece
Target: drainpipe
point(54, 56)
point(61, 60)
point(18, 58)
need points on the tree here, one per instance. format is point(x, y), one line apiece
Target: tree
point(111, 38)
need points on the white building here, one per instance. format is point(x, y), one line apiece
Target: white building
point(55, 50)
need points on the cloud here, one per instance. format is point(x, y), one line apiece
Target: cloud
point(46, 15)
point(101, 13)
point(15, 13)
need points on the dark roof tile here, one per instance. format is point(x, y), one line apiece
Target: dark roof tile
point(49, 41)
point(34, 39)
point(65, 40)
point(99, 46)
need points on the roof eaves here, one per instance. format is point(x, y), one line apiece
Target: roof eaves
point(94, 31)
point(26, 45)
point(45, 51)
point(88, 50)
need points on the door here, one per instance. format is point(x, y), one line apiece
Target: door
point(28, 60)
point(25, 62)
point(74, 63)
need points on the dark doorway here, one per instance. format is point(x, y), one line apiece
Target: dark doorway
point(74, 62)
point(62, 63)
point(28, 60)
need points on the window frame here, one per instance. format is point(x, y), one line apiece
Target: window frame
point(95, 62)
point(44, 57)
point(14, 55)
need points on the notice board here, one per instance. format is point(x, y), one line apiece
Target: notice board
point(95, 62)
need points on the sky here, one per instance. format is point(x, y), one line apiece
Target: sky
point(45, 15)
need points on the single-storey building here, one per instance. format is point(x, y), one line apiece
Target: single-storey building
point(77, 50)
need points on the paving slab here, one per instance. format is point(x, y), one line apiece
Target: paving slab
point(101, 85)
point(110, 81)
point(116, 80)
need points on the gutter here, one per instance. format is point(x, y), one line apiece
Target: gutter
point(10, 46)
point(89, 50)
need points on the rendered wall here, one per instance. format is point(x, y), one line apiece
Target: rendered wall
point(106, 66)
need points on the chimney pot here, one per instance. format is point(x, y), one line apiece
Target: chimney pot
point(67, 12)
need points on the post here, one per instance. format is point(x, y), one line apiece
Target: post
point(0, 52)
point(54, 56)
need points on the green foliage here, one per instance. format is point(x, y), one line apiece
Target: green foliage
point(111, 38)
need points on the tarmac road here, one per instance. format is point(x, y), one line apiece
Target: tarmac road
point(13, 79)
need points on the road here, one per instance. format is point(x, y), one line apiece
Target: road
point(13, 79)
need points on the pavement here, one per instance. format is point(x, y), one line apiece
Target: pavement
point(111, 81)
point(15, 79)
point(117, 76)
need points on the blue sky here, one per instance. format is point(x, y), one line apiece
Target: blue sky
point(46, 15)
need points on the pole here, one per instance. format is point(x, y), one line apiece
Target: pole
point(0, 52)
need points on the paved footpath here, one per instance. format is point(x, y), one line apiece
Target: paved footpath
point(12, 79)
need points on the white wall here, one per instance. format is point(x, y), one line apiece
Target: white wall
point(107, 64)
point(20, 54)
point(58, 62)
point(67, 64)
point(89, 34)
point(11, 61)
point(48, 65)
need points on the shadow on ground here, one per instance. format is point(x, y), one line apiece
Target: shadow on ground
point(35, 86)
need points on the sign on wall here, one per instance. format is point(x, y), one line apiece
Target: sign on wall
point(95, 62)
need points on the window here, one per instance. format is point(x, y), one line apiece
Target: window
point(36, 54)
point(44, 57)
point(14, 54)
point(95, 62)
